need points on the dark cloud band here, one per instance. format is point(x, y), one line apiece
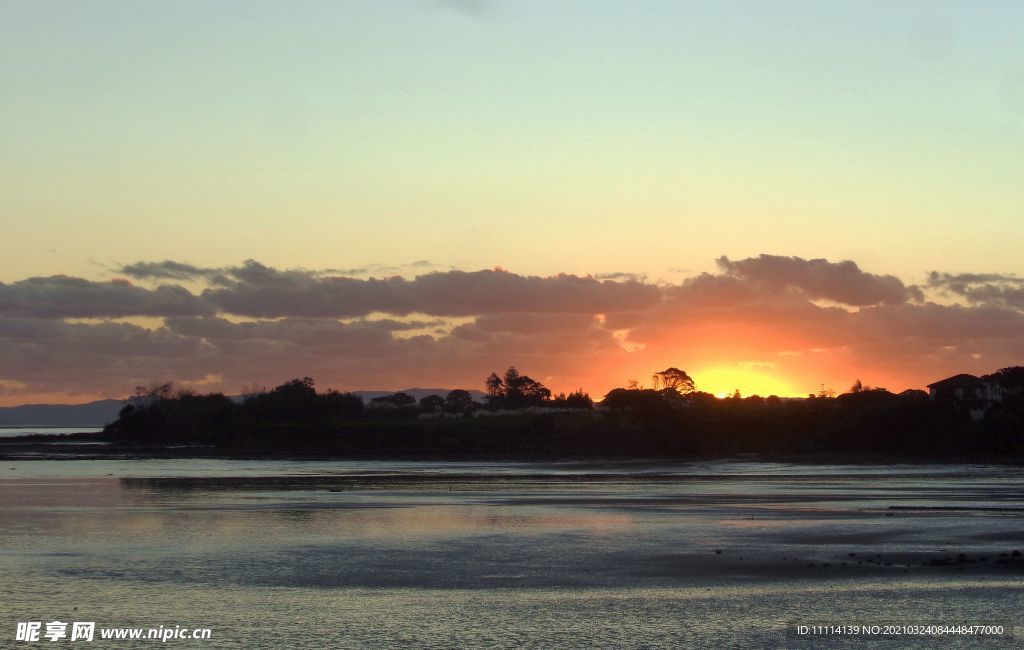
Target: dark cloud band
point(255, 324)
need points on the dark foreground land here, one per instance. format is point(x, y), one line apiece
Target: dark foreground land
point(549, 436)
point(293, 420)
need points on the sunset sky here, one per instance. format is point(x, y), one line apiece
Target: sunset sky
point(773, 196)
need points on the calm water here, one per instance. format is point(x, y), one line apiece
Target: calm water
point(374, 554)
point(11, 432)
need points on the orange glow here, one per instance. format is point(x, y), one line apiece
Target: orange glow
point(722, 381)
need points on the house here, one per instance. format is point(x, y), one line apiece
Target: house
point(967, 391)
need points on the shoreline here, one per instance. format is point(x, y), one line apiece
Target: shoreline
point(94, 446)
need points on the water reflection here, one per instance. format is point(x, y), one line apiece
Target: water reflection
point(506, 553)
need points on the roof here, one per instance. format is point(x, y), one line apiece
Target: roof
point(962, 379)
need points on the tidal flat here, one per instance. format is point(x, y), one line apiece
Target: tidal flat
point(278, 553)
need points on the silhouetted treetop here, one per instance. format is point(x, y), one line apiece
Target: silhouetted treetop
point(1011, 378)
point(675, 380)
point(394, 400)
point(514, 390)
point(458, 401)
point(575, 400)
point(432, 404)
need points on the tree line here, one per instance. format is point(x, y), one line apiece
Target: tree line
point(672, 418)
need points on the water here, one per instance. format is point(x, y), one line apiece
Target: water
point(11, 432)
point(375, 554)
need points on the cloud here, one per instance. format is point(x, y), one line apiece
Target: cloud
point(313, 332)
point(183, 271)
point(392, 325)
point(167, 270)
point(60, 296)
point(841, 282)
point(11, 386)
point(202, 382)
point(255, 290)
point(621, 275)
point(996, 289)
point(811, 321)
point(263, 292)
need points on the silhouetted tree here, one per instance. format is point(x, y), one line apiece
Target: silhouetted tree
point(293, 401)
point(394, 400)
point(645, 403)
point(293, 418)
point(675, 380)
point(575, 400)
point(432, 404)
point(173, 416)
point(1011, 379)
point(513, 390)
point(458, 401)
point(248, 391)
point(344, 405)
point(495, 388)
point(146, 396)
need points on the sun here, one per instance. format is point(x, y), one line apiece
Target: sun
point(723, 381)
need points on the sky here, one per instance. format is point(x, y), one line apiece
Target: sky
point(771, 196)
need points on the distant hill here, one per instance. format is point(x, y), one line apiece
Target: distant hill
point(91, 414)
point(99, 413)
